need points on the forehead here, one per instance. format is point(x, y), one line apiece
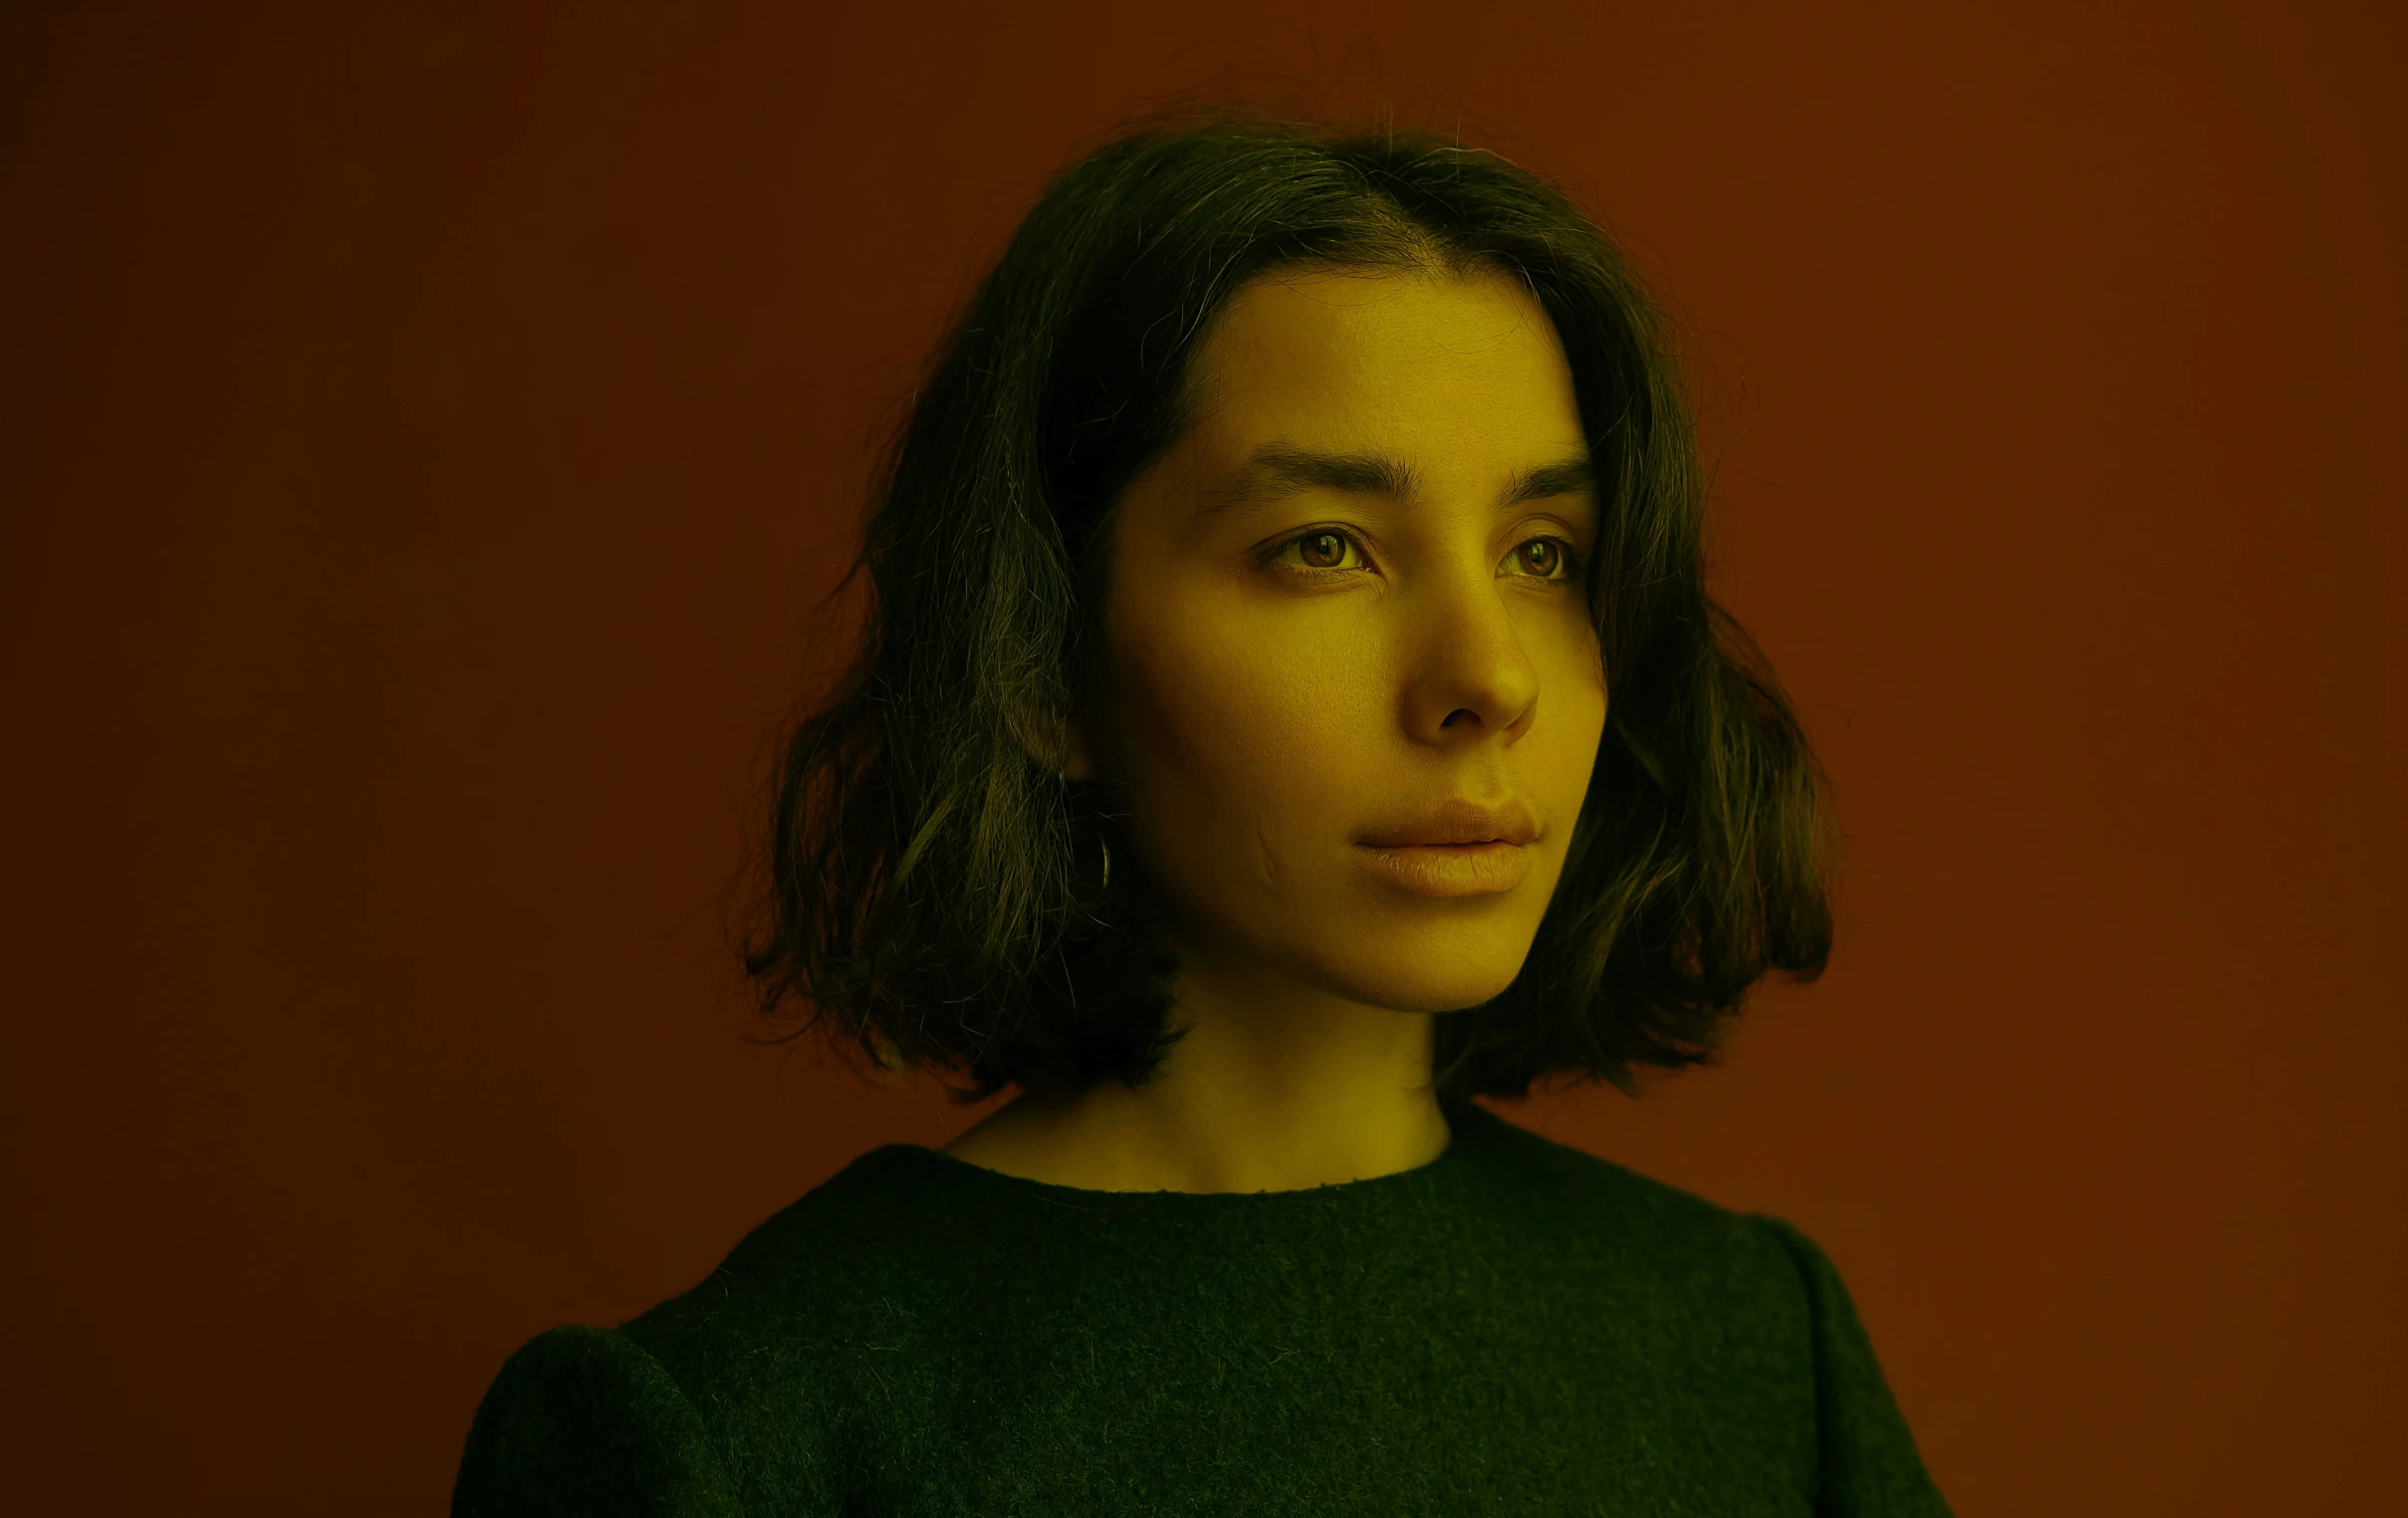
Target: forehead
point(1408, 362)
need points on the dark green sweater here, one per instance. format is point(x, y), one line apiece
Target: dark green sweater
point(1515, 1328)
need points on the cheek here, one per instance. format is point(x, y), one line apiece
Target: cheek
point(1560, 760)
point(1242, 730)
point(1573, 676)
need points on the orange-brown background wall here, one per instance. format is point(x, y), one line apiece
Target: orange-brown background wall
point(427, 430)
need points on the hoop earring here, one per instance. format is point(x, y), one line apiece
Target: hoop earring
point(1106, 845)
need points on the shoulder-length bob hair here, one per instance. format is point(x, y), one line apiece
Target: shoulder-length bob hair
point(941, 896)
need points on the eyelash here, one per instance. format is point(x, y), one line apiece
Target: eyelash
point(1571, 557)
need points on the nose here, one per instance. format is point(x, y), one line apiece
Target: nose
point(1466, 677)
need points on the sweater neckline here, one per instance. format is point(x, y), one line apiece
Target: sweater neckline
point(1468, 1126)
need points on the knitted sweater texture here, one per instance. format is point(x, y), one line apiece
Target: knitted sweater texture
point(1513, 1328)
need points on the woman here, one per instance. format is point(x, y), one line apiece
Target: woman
point(1292, 709)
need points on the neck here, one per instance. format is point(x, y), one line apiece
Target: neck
point(1274, 1086)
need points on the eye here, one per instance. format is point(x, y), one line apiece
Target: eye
point(1540, 559)
point(1322, 548)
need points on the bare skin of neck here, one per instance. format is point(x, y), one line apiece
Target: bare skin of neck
point(1276, 1087)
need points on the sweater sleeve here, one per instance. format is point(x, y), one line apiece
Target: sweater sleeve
point(581, 1421)
point(1871, 1467)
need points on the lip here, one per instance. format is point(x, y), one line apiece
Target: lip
point(1459, 847)
point(1456, 821)
point(1448, 869)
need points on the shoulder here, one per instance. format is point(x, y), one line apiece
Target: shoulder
point(1754, 1289)
point(583, 1419)
point(879, 1215)
point(1595, 1205)
point(1694, 1269)
point(648, 1418)
point(793, 1320)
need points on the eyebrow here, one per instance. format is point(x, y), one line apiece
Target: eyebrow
point(1275, 471)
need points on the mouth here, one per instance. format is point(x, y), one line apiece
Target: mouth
point(1447, 870)
point(1457, 849)
point(1456, 821)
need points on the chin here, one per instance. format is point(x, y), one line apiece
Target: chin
point(1427, 977)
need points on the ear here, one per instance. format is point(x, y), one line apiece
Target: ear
point(1058, 744)
point(1078, 757)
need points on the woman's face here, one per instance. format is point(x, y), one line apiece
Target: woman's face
point(1352, 688)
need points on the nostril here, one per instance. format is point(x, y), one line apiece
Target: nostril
point(1460, 711)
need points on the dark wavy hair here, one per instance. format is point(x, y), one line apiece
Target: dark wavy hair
point(938, 893)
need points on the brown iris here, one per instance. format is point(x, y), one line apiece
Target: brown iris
point(1324, 550)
